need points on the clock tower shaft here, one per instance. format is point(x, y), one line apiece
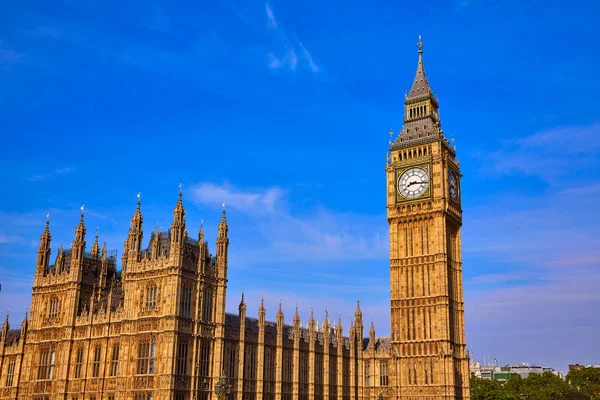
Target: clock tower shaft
point(427, 303)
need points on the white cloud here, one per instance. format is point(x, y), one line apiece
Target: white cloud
point(52, 174)
point(550, 154)
point(289, 59)
point(307, 55)
point(290, 51)
point(270, 17)
point(251, 202)
point(280, 234)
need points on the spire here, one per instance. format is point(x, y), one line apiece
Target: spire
point(178, 225)
point(80, 230)
point(358, 313)
point(133, 243)
point(95, 247)
point(24, 324)
point(296, 318)
point(78, 247)
point(5, 328)
point(137, 218)
point(420, 86)
point(201, 232)
point(223, 228)
point(44, 249)
point(261, 310)
point(421, 115)
point(103, 248)
point(372, 330)
point(242, 302)
point(179, 212)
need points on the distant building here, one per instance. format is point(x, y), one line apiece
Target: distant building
point(494, 372)
point(577, 367)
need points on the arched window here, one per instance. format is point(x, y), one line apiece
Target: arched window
point(186, 300)
point(46, 366)
point(146, 356)
point(207, 306)
point(53, 307)
point(151, 294)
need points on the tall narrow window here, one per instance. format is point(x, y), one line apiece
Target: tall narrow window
point(151, 294)
point(54, 308)
point(182, 354)
point(46, 366)
point(114, 361)
point(207, 306)
point(78, 362)
point(10, 373)
point(367, 375)
point(383, 373)
point(96, 364)
point(186, 301)
point(204, 359)
point(146, 355)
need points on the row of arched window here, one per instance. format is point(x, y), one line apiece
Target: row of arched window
point(417, 111)
point(413, 153)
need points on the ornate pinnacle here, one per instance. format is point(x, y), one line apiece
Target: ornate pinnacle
point(420, 45)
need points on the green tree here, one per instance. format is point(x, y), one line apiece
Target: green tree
point(480, 388)
point(586, 381)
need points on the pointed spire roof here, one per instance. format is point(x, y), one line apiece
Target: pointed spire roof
point(279, 312)
point(201, 233)
point(223, 227)
point(372, 329)
point(80, 230)
point(96, 246)
point(420, 87)
point(261, 310)
point(296, 317)
point(358, 312)
point(137, 218)
point(46, 237)
point(242, 303)
point(104, 249)
point(179, 211)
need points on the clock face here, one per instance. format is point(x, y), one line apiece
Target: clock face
point(413, 183)
point(452, 186)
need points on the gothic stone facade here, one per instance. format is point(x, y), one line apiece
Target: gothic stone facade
point(158, 329)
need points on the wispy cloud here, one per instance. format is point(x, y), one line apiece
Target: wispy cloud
point(550, 154)
point(287, 55)
point(309, 58)
point(280, 234)
point(540, 252)
point(270, 16)
point(289, 59)
point(251, 202)
point(52, 174)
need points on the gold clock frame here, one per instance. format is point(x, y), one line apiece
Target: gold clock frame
point(400, 171)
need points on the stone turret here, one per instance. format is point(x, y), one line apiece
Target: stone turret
point(44, 250)
point(78, 247)
point(133, 244)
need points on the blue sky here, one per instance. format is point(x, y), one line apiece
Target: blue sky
point(282, 110)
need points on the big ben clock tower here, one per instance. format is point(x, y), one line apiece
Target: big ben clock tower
point(425, 217)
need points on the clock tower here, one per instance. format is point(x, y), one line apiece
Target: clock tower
point(425, 217)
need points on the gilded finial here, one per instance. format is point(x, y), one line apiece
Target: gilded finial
point(452, 140)
point(96, 232)
point(139, 198)
point(180, 188)
point(48, 217)
point(82, 210)
point(420, 45)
